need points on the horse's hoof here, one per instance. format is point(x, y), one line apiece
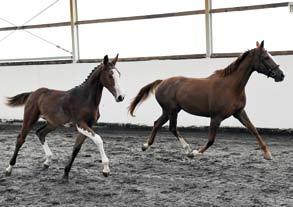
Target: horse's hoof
point(190, 155)
point(144, 147)
point(268, 156)
point(65, 179)
point(7, 173)
point(196, 152)
point(46, 166)
point(106, 174)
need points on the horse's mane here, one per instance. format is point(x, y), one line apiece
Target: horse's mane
point(90, 74)
point(232, 67)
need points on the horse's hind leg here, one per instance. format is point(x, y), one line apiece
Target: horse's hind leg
point(31, 115)
point(19, 142)
point(243, 118)
point(157, 125)
point(174, 130)
point(41, 133)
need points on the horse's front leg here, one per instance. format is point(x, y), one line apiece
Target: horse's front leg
point(243, 118)
point(84, 129)
point(214, 126)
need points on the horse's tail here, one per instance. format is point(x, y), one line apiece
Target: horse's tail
point(142, 95)
point(18, 100)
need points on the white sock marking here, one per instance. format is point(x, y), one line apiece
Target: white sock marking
point(9, 169)
point(145, 145)
point(196, 152)
point(67, 125)
point(185, 145)
point(48, 153)
point(99, 142)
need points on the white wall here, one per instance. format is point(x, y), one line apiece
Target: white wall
point(269, 104)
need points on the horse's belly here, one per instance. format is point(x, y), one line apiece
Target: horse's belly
point(196, 104)
point(196, 111)
point(56, 118)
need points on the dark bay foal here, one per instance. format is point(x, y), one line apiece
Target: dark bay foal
point(218, 96)
point(79, 106)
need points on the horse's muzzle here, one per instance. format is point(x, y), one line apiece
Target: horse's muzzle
point(279, 78)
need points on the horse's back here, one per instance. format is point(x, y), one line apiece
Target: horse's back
point(35, 95)
point(189, 94)
point(49, 103)
point(42, 95)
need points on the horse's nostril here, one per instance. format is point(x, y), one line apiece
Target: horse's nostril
point(120, 98)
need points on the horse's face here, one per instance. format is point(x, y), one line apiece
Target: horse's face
point(110, 78)
point(266, 64)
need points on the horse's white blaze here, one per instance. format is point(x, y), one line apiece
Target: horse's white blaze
point(119, 91)
point(272, 58)
point(99, 142)
point(48, 153)
point(185, 145)
point(9, 169)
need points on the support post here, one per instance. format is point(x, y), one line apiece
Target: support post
point(74, 30)
point(209, 34)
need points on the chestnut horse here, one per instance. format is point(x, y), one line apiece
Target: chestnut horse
point(218, 96)
point(79, 106)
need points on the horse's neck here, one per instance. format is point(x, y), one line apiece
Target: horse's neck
point(93, 90)
point(240, 78)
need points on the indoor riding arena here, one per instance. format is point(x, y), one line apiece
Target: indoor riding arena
point(146, 103)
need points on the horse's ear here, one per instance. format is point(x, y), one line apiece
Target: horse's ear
point(257, 44)
point(115, 59)
point(262, 44)
point(106, 60)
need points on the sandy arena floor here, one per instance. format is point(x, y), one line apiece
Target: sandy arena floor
point(231, 173)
